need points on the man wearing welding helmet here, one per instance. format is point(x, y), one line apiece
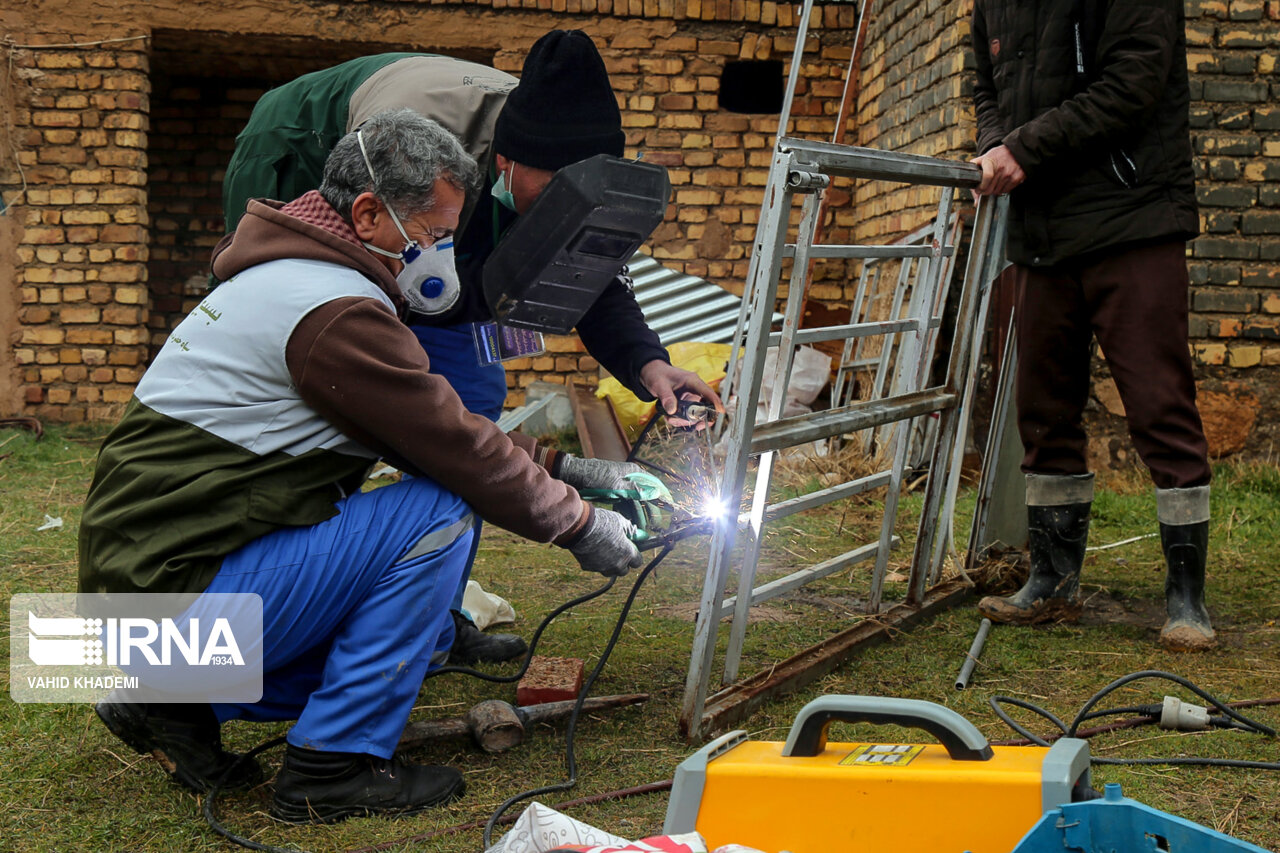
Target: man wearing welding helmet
point(562, 111)
point(236, 469)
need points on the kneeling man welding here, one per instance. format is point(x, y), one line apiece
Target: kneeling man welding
point(237, 469)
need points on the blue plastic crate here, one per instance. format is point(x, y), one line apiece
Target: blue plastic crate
point(1116, 824)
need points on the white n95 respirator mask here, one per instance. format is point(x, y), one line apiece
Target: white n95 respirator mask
point(429, 280)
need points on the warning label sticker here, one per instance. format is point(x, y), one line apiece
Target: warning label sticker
point(882, 754)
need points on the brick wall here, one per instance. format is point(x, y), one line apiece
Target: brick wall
point(1235, 266)
point(717, 161)
point(79, 122)
point(111, 233)
point(915, 96)
point(120, 212)
point(194, 122)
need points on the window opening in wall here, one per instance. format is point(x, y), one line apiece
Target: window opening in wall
point(752, 86)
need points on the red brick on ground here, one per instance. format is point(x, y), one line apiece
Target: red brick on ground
point(550, 680)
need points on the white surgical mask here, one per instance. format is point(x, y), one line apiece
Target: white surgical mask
point(429, 280)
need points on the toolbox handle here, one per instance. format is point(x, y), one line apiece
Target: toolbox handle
point(808, 736)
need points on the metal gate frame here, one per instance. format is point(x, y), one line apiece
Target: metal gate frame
point(804, 168)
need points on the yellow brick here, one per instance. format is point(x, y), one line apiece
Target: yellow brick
point(45, 336)
point(131, 295)
point(86, 314)
point(126, 337)
point(131, 139)
point(85, 217)
point(1246, 356)
point(117, 395)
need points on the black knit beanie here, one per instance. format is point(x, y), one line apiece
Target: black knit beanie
point(563, 110)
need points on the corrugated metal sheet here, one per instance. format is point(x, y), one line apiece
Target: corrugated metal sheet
point(683, 307)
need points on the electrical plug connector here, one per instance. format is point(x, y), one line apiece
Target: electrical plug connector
point(1183, 716)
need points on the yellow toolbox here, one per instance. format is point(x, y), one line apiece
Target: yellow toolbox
point(811, 796)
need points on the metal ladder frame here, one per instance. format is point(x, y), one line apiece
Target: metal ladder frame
point(804, 168)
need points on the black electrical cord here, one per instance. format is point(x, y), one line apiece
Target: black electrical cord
point(212, 795)
point(1229, 719)
point(216, 788)
point(571, 761)
point(533, 642)
point(1176, 679)
point(667, 544)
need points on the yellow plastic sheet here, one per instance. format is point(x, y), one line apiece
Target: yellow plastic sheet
point(706, 360)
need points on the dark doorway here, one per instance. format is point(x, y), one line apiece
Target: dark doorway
point(203, 88)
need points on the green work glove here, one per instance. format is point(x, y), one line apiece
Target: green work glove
point(594, 473)
point(605, 545)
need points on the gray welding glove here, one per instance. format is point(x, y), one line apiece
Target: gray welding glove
point(593, 473)
point(605, 545)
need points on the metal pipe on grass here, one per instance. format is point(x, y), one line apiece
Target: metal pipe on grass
point(971, 658)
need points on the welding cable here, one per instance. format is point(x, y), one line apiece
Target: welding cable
point(216, 788)
point(571, 761)
point(533, 645)
point(1176, 679)
point(592, 799)
point(533, 642)
point(1149, 714)
point(1145, 718)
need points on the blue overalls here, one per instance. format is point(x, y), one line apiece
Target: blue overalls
point(354, 608)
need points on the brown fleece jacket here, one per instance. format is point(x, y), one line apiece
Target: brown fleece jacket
point(362, 369)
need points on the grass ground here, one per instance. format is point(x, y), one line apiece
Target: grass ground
point(66, 784)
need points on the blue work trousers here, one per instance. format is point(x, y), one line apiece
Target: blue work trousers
point(353, 609)
point(483, 389)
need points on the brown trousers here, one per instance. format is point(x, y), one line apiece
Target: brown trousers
point(1135, 301)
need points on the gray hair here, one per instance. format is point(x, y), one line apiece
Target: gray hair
point(409, 154)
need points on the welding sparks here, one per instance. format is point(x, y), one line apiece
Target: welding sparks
point(714, 509)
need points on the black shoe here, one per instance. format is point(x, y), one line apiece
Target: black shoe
point(470, 644)
point(1056, 537)
point(1186, 549)
point(323, 787)
point(184, 739)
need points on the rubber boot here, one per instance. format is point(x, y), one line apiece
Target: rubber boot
point(1057, 531)
point(470, 644)
point(323, 787)
point(184, 739)
point(1184, 536)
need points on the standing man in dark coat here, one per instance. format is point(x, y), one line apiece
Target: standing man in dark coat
point(1082, 116)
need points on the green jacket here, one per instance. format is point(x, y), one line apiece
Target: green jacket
point(281, 153)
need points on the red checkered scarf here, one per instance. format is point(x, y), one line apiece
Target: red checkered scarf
point(312, 209)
